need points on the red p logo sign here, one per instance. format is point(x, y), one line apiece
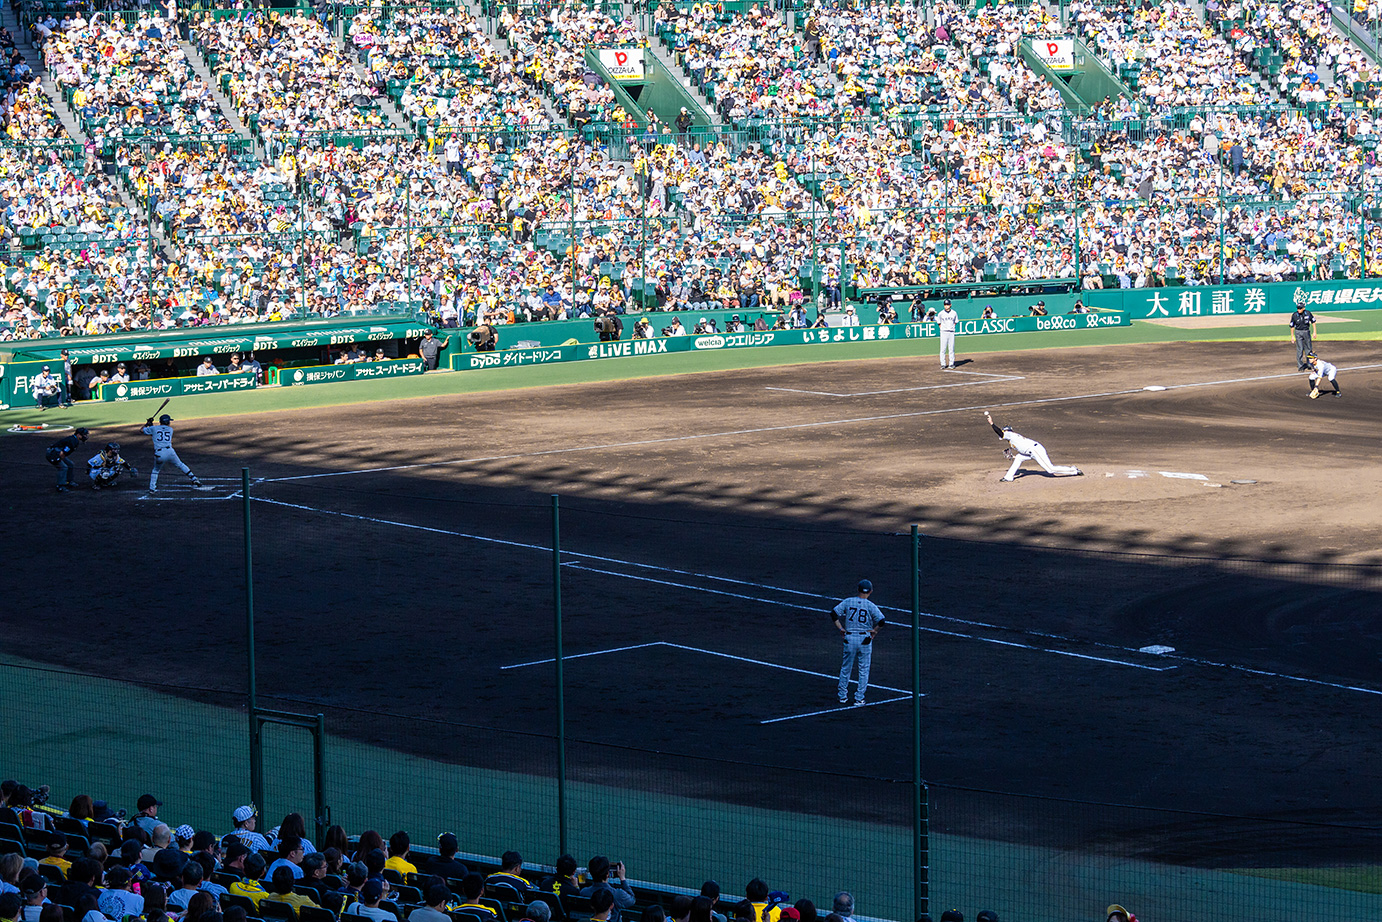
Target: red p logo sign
point(1051, 49)
point(621, 58)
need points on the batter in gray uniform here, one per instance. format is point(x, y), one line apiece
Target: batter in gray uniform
point(858, 621)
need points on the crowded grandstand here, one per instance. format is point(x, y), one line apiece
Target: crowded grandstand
point(226, 164)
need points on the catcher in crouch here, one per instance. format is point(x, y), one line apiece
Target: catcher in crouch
point(1020, 448)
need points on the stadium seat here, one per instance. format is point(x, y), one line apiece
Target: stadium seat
point(315, 914)
point(244, 902)
point(270, 908)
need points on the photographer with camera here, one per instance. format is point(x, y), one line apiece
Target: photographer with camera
point(642, 329)
point(608, 325)
point(609, 876)
point(483, 338)
point(674, 328)
point(706, 327)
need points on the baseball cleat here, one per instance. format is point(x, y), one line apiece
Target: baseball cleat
point(1005, 480)
point(1337, 394)
point(858, 704)
point(844, 701)
point(1078, 472)
point(63, 489)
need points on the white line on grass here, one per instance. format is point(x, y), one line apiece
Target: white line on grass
point(836, 710)
point(1037, 401)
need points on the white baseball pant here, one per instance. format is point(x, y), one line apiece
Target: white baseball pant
point(1040, 457)
point(167, 456)
point(947, 345)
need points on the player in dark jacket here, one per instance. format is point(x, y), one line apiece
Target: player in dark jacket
point(57, 456)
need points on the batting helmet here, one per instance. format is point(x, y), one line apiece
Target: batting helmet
point(113, 446)
point(165, 419)
point(1311, 357)
point(82, 432)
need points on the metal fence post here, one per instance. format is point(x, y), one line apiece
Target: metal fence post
point(256, 741)
point(561, 700)
point(921, 837)
point(323, 813)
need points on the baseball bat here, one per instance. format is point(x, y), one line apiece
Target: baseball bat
point(155, 413)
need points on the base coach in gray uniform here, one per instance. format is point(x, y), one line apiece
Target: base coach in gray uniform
point(858, 621)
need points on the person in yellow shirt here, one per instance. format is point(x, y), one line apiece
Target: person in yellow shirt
point(757, 894)
point(248, 886)
point(399, 847)
point(510, 873)
point(57, 850)
point(281, 891)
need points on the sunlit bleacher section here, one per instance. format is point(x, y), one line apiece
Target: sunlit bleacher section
point(222, 164)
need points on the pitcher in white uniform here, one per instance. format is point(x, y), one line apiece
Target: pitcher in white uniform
point(1022, 449)
point(162, 434)
point(947, 318)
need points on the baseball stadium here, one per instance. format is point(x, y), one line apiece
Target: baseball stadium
point(476, 425)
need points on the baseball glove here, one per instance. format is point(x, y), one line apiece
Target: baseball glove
point(1008, 453)
point(1315, 393)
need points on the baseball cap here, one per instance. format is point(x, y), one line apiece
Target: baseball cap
point(372, 890)
point(1116, 908)
point(235, 849)
point(947, 302)
point(45, 367)
point(986, 915)
point(148, 800)
point(185, 832)
point(865, 585)
point(952, 915)
point(790, 912)
point(243, 813)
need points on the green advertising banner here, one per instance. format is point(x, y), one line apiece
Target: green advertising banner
point(512, 358)
point(178, 387)
point(17, 380)
point(1220, 300)
point(353, 371)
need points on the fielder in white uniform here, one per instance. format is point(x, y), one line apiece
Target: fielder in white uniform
point(1320, 370)
point(1023, 449)
point(858, 620)
point(947, 318)
point(162, 434)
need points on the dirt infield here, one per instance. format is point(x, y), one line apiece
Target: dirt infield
point(709, 520)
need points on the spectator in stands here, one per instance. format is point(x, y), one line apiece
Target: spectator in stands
point(33, 890)
point(711, 891)
point(81, 881)
point(374, 861)
point(437, 895)
point(371, 894)
point(52, 912)
point(445, 864)
point(314, 871)
point(843, 904)
point(472, 888)
point(510, 874)
point(233, 858)
point(334, 861)
point(131, 856)
point(147, 817)
point(290, 856)
point(192, 877)
point(756, 892)
point(293, 824)
point(399, 847)
point(249, 885)
point(159, 838)
point(602, 906)
point(611, 877)
point(56, 853)
point(11, 867)
point(10, 907)
point(281, 891)
point(335, 835)
point(701, 909)
point(368, 842)
point(198, 906)
point(184, 835)
point(246, 818)
point(538, 911)
point(356, 874)
point(208, 865)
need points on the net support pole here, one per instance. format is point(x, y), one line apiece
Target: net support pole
point(256, 741)
point(921, 831)
point(560, 688)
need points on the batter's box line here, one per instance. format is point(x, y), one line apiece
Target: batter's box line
point(678, 646)
point(836, 710)
point(903, 390)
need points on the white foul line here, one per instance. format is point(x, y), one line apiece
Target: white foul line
point(678, 646)
point(836, 710)
point(518, 544)
point(784, 428)
point(904, 390)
